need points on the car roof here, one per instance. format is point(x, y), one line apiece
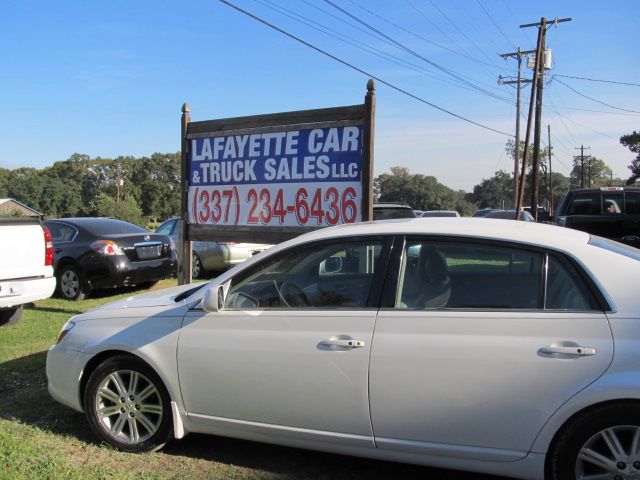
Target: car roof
point(604, 190)
point(496, 229)
point(84, 220)
point(392, 205)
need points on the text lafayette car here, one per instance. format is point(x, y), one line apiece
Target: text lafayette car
point(502, 347)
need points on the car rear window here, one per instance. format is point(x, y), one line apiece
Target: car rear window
point(392, 213)
point(111, 227)
point(632, 203)
point(615, 247)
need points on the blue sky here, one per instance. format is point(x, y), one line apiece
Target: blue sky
point(109, 78)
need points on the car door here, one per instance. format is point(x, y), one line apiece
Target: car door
point(289, 352)
point(484, 342)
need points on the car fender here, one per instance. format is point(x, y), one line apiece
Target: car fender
point(156, 342)
point(619, 386)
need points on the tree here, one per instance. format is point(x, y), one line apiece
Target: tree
point(632, 142)
point(422, 192)
point(494, 192)
point(127, 209)
point(595, 173)
point(158, 181)
point(26, 185)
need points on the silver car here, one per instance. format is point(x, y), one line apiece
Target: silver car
point(212, 256)
point(502, 347)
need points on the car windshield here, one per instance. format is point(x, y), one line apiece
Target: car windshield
point(616, 247)
point(111, 227)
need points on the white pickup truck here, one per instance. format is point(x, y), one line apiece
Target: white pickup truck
point(26, 266)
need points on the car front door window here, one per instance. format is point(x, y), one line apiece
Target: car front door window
point(339, 275)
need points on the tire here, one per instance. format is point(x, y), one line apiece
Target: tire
point(71, 283)
point(599, 442)
point(116, 412)
point(197, 270)
point(10, 316)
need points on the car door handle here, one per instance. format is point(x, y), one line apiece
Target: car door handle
point(576, 351)
point(343, 343)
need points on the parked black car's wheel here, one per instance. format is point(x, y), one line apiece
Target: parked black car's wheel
point(601, 444)
point(9, 316)
point(71, 283)
point(128, 406)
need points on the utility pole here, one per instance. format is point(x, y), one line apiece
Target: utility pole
point(517, 55)
point(525, 156)
point(550, 171)
point(581, 148)
point(543, 26)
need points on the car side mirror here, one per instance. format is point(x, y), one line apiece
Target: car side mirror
point(213, 300)
point(331, 265)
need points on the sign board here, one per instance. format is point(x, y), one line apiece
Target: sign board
point(268, 178)
point(305, 177)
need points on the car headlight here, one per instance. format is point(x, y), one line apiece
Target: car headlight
point(66, 328)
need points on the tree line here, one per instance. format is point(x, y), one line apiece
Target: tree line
point(139, 190)
point(147, 190)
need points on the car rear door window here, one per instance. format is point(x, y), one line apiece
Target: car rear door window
point(585, 204)
point(565, 289)
point(339, 275)
point(467, 275)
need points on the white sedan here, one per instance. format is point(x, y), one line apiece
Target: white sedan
point(501, 347)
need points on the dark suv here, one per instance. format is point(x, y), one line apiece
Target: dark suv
point(611, 212)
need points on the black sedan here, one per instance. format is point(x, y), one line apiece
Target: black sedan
point(92, 253)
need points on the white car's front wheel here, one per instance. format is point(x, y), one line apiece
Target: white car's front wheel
point(127, 405)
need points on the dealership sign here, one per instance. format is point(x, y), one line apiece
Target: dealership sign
point(302, 177)
point(267, 178)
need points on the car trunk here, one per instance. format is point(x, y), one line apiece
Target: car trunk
point(140, 247)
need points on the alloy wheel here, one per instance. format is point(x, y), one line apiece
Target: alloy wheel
point(612, 453)
point(128, 406)
point(69, 284)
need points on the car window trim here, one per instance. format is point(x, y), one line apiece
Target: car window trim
point(377, 284)
point(596, 298)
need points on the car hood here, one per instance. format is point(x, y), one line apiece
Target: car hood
point(157, 298)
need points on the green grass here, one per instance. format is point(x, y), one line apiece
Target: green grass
point(42, 439)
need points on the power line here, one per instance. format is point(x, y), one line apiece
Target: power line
point(597, 80)
point(480, 31)
point(583, 126)
point(598, 111)
point(435, 25)
point(518, 22)
point(414, 53)
point(459, 30)
point(495, 24)
point(355, 43)
point(357, 69)
point(593, 99)
point(400, 27)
